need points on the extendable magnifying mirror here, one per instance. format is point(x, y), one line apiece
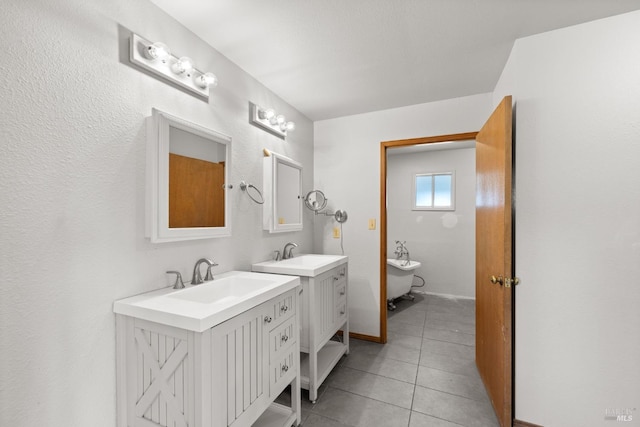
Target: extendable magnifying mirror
point(316, 201)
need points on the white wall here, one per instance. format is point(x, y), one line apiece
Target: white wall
point(72, 161)
point(347, 169)
point(442, 241)
point(577, 103)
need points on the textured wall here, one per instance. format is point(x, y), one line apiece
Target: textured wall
point(347, 169)
point(577, 100)
point(72, 161)
point(442, 241)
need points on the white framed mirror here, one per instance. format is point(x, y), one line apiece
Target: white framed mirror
point(188, 167)
point(282, 209)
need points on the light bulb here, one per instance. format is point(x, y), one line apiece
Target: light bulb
point(266, 114)
point(290, 126)
point(183, 65)
point(207, 80)
point(158, 50)
point(280, 119)
point(283, 127)
point(269, 113)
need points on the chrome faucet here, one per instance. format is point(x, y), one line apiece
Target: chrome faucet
point(196, 279)
point(402, 251)
point(286, 252)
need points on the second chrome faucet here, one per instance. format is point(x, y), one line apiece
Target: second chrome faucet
point(196, 279)
point(287, 251)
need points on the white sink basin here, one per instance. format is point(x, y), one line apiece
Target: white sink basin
point(200, 307)
point(219, 290)
point(403, 264)
point(308, 265)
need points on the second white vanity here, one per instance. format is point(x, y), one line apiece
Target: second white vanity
point(212, 355)
point(323, 312)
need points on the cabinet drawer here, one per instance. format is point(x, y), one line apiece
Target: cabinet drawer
point(341, 312)
point(283, 308)
point(341, 272)
point(281, 338)
point(283, 370)
point(340, 291)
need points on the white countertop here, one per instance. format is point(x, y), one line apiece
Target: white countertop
point(308, 265)
point(200, 307)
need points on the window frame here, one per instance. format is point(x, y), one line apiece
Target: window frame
point(451, 207)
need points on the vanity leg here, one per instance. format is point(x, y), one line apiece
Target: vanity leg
point(295, 399)
point(345, 336)
point(313, 376)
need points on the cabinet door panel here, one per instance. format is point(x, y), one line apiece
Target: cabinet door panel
point(244, 354)
point(159, 354)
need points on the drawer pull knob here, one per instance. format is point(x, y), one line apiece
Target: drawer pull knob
point(335, 278)
point(267, 319)
point(341, 312)
point(285, 338)
point(342, 274)
point(285, 368)
point(284, 308)
point(342, 293)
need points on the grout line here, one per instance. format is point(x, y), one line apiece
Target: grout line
point(469, 346)
point(368, 397)
point(382, 376)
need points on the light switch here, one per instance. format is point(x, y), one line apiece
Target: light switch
point(372, 224)
point(336, 232)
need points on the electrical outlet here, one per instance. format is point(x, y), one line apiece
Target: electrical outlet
point(372, 224)
point(336, 232)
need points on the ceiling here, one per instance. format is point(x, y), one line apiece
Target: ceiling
point(333, 58)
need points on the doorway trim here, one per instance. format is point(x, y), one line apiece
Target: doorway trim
point(383, 209)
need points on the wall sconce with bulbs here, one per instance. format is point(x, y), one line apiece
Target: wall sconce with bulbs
point(157, 58)
point(269, 120)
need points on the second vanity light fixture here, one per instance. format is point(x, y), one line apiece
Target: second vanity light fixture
point(269, 120)
point(157, 58)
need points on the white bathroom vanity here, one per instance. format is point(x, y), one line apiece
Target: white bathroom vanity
point(211, 355)
point(323, 312)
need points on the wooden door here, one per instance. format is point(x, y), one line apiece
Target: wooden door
point(494, 258)
point(196, 193)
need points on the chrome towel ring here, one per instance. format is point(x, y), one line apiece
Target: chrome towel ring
point(246, 187)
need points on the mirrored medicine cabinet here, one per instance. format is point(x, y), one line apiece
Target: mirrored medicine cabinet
point(188, 167)
point(282, 209)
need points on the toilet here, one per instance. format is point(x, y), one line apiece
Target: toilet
point(399, 278)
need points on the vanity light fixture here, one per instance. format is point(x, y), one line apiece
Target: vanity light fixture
point(269, 120)
point(157, 58)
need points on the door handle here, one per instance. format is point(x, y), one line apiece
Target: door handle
point(506, 282)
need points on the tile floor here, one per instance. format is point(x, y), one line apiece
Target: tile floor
point(424, 376)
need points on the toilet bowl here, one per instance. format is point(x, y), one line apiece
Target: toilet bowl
point(399, 277)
